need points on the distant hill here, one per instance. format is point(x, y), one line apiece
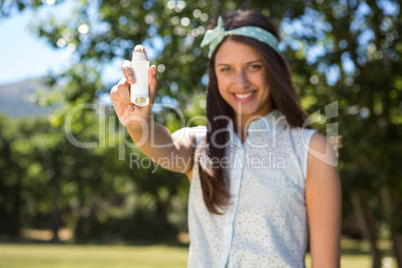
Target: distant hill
point(14, 99)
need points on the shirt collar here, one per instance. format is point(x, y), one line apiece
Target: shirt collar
point(269, 126)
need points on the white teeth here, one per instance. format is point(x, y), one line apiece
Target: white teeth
point(243, 96)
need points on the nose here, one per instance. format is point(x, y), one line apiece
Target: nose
point(241, 80)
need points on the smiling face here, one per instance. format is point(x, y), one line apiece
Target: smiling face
point(242, 80)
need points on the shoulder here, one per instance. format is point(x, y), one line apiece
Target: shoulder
point(318, 142)
point(320, 152)
point(302, 136)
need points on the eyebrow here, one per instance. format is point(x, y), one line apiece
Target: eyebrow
point(250, 62)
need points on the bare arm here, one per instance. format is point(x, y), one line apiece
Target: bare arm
point(323, 199)
point(171, 151)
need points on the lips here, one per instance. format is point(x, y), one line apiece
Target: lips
point(244, 97)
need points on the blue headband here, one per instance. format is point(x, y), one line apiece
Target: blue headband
point(215, 36)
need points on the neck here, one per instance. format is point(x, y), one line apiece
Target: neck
point(242, 122)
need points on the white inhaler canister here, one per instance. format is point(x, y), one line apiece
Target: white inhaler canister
point(139, 90)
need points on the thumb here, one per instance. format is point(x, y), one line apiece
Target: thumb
point(153, 83)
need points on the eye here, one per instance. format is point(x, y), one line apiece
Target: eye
point(225, 69)
point(255, 67)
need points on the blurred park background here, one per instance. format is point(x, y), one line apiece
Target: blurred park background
point(71, 197)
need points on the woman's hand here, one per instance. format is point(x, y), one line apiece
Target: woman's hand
point(130, 115)
point(139, 124)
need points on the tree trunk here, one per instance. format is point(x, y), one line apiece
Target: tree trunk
point(367, 225)
point(16, 213)
point(389, 208)
point(397, 240)
point(55, 222)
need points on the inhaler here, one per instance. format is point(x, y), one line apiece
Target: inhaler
point(139, 90)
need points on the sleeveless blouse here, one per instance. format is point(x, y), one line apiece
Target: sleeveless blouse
point(265, 224)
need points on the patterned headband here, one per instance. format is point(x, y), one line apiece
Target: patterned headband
point(215, 36)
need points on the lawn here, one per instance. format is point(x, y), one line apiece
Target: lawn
point(114, 256)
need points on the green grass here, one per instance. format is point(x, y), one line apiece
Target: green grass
point(96, 256)
point(114, 256)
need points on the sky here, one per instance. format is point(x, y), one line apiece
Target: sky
point(23, 55)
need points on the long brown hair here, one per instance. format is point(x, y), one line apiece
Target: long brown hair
point(215, 185)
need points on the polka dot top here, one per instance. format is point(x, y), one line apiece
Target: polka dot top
point(265, 224)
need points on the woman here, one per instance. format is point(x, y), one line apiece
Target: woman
point(256, 188)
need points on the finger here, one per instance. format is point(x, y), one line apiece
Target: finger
point(127, 69)
point(118, 107)
point(114, 95)
point(140, 48)
point(116, 100)
point(153, 83)
point(123, 88)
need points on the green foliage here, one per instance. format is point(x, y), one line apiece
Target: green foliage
point(46, 181)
